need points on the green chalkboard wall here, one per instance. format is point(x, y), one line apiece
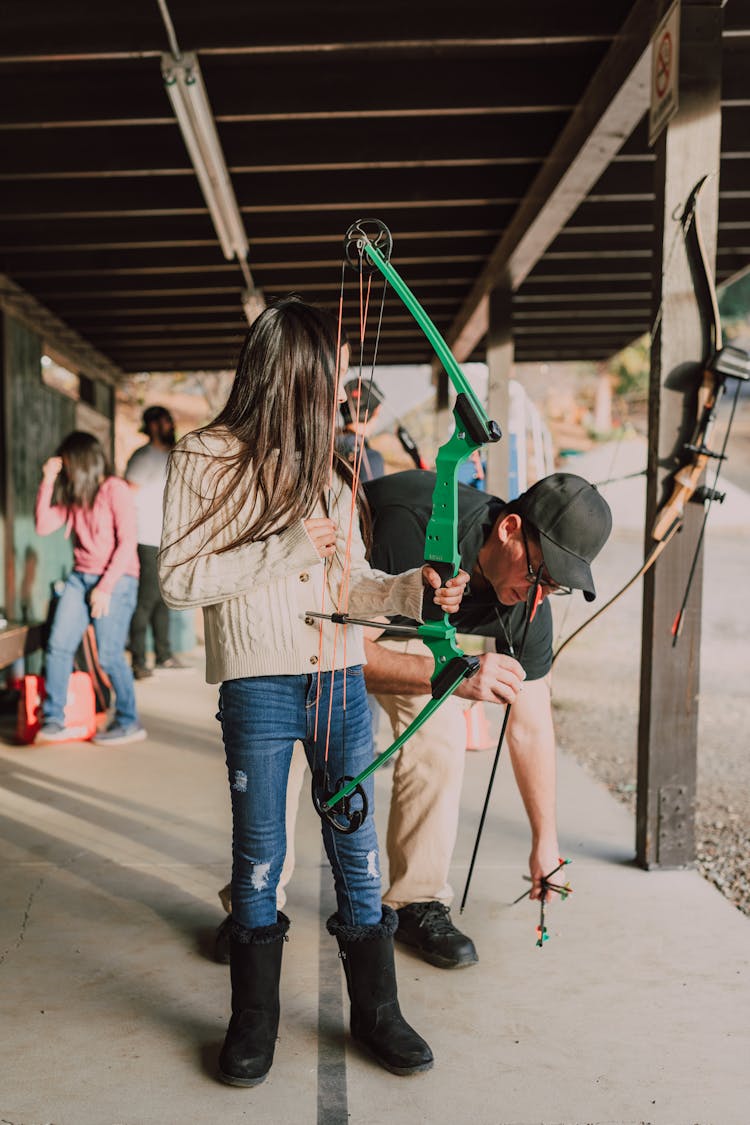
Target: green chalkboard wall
point(35, 418)
point(38, 418)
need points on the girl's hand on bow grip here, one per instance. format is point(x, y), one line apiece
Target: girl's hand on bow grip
point(448, 597)
point(322, 531)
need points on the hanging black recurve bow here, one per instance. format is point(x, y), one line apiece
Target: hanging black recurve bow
point(719, 362)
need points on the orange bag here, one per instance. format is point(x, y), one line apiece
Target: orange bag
point(478, 735)
point(80, 707)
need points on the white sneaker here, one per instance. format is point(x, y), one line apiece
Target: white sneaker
point(55, 732)
point(118, 735)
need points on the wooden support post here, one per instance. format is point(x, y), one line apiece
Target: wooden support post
point(668, 724)
point(500, 364)
point(8, 593)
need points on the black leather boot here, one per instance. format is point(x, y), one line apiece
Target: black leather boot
point(376, 1020)
point(255, 967)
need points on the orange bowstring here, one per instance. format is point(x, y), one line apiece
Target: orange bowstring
point(343, 600)
point(334, 411)
point(364, 305)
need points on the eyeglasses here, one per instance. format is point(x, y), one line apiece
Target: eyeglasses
point(551, 589)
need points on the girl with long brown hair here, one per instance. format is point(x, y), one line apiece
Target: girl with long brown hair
point(79, 492)
point(257, 531)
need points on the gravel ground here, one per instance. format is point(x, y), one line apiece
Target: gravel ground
point(596, 680)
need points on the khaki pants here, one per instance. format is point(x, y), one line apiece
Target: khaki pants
point(426, 793)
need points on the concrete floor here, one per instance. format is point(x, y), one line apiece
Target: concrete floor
point(635, 1011)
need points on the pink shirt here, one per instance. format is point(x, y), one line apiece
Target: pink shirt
point(105, 538)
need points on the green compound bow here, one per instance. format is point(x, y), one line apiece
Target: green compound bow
point(367, 248)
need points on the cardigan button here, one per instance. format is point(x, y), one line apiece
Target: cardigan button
point(304, 576)
point(313, 660)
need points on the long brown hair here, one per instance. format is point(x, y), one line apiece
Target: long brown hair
point(85, 468)
point(280, 412)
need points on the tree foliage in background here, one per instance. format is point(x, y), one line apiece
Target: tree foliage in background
point(734, 306)
point(630, 368)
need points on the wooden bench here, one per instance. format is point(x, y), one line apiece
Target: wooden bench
point(17, 641)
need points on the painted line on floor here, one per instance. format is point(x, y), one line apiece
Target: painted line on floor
point(333, 1103)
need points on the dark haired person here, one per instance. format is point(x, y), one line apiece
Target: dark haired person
point(78, 492)
point(257, 529)
point(146, 473)
point(552, 531)
point(358, 411)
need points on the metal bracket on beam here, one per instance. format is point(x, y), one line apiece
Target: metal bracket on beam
point(675, 837)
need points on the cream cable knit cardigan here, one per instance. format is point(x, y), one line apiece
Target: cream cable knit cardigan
point(255, 597)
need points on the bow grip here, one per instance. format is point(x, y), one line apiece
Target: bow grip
point(431, 611)
point(458, 669)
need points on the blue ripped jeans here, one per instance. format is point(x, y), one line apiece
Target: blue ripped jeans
point(72, 617)
point(261, 718)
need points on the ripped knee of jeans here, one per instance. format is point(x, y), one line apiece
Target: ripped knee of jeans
point(259, 875)
point(239, 781)
point(373, 868)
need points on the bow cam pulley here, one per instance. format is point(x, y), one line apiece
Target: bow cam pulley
point(348, 813)
point(359, 235)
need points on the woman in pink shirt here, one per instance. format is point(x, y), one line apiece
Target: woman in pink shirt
point(79, 492)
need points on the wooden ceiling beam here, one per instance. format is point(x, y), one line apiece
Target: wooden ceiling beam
point(290, 146)
point(45, 31)
point(611, 106)
point(113, 95)
point(268, 192)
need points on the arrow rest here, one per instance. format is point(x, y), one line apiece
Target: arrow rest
point(342, 817)
point(704, 493)
point(364, 231)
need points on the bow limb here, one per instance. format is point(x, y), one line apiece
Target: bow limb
point(473, 428)
point(697, 453)
point(450, 683)
point(481, 429)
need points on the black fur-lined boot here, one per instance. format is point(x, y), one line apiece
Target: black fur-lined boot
point(255, 967)
point(376, 1020)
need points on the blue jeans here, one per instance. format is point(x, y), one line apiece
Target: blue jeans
point(261, 718)
point(70, 622)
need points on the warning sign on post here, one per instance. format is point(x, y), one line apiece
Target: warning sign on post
point(665, 72)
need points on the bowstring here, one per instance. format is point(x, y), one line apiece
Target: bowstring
point(343, 599)
point(329, 499)
point(344, 589)
point(678, 621)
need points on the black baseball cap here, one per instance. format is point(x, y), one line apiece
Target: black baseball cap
point(153, 414)
point(573, 522)
point(362, 400)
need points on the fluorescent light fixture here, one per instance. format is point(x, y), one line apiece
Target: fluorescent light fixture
point(253, 304)
point(187, 93)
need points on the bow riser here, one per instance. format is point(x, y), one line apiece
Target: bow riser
point(685, 480)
